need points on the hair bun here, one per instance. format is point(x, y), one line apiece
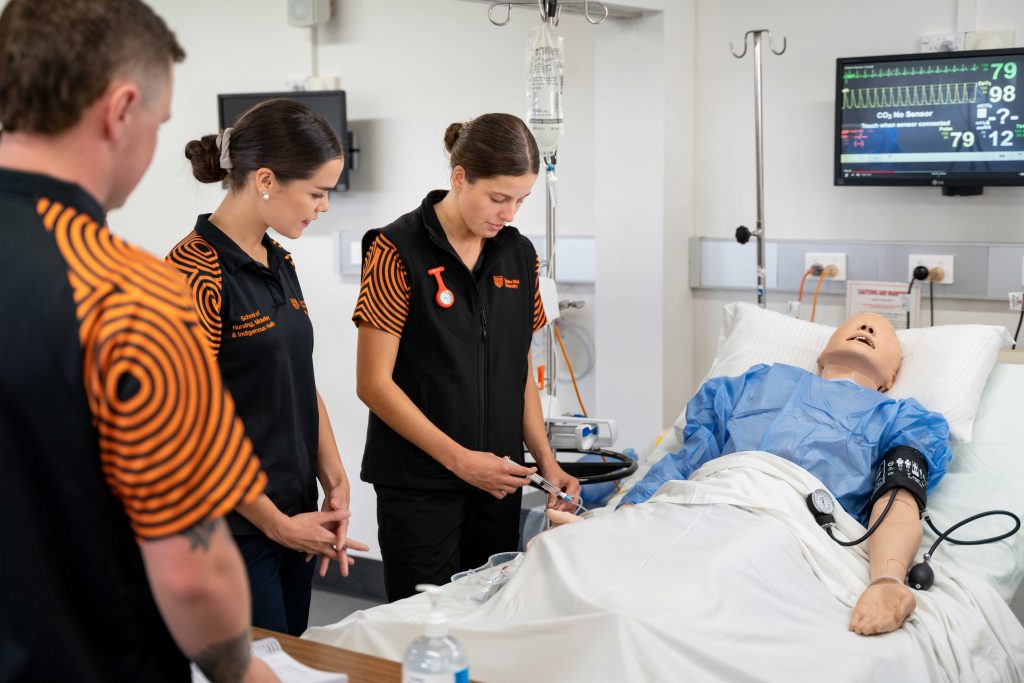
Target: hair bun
point(451, 136)
point(205, 158)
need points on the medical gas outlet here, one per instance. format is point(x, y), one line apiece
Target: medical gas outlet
point(833, 266)
point(940, 267)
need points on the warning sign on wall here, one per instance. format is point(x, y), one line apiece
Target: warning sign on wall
point(888, 299)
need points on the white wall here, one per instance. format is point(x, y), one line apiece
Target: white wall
point(800, 200)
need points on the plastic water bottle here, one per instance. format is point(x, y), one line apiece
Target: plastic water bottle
point(434, 657)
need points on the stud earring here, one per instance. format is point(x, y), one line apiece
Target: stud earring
point(265, 195)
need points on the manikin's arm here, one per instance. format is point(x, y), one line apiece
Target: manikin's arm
point(888, 601)
point(707, 414)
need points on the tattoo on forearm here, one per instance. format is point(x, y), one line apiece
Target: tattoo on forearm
point(227, 661)
point(199, 535)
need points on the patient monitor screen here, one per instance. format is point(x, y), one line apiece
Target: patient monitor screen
point(952, 118)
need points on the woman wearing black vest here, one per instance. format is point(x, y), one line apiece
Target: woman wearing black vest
point(280, 162)
point(447, 309)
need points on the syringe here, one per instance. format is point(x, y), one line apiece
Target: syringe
point(551, 488)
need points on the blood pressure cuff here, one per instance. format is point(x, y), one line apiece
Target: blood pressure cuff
point(902, 467)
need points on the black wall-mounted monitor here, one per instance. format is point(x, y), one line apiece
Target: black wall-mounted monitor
point(949, 119)
point(329, 104)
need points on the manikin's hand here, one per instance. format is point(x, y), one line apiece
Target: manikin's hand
point(569, 484)
point(883, 607)
point(557, 518)
point(560, 517)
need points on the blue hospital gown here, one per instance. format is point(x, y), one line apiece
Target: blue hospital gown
point(836, 430)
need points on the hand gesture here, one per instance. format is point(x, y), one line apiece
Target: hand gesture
point(310, 532)
point(569, 484)
point(486, 471)
point(337, 500)
point(882, 607)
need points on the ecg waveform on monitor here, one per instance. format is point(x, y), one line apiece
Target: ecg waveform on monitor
point(925, 95)
point(911, 71)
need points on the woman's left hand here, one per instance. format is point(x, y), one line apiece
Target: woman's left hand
point(557, 476)
point(338, 499)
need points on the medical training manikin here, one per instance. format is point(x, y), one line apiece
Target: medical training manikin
point(840, 428)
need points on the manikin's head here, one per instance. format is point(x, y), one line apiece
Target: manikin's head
point(863, 349)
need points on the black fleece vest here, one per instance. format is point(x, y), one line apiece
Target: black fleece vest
point(465, 366)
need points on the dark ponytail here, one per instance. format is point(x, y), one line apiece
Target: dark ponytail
point(492, 145)
point(280, 134)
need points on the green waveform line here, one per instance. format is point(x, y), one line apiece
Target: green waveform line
point(928, 95)
point(899, 72)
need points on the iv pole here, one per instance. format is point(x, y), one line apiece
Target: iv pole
point(550, 13)
point(744, 233)
point(591, 435)
point(550, 236)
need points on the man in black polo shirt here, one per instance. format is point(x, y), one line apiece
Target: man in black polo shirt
point(119, 447)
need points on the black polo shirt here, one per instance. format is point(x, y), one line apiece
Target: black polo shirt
point(258, 327)
point(114, 429)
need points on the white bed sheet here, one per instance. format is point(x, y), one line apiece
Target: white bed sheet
point(687, 588)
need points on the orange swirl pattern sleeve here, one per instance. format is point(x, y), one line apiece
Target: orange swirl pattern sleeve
point(171, 447)
point(383, 290)
point(539, 318)
point(198, 262)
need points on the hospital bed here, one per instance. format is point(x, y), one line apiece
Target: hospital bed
point(726, 577)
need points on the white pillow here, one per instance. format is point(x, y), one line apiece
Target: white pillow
point(944, 367)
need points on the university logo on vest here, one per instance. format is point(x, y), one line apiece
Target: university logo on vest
point(506, 282)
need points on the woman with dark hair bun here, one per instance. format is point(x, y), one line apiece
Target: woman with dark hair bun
point(447, 309)
point(280, 162)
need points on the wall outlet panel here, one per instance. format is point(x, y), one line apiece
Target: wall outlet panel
point(984, 271)
point(946, 42)
point(930, 261)
point(825, 260)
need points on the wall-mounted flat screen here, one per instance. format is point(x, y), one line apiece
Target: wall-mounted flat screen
point(950, 119)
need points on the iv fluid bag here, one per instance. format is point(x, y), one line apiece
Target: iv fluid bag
point(545, 68)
